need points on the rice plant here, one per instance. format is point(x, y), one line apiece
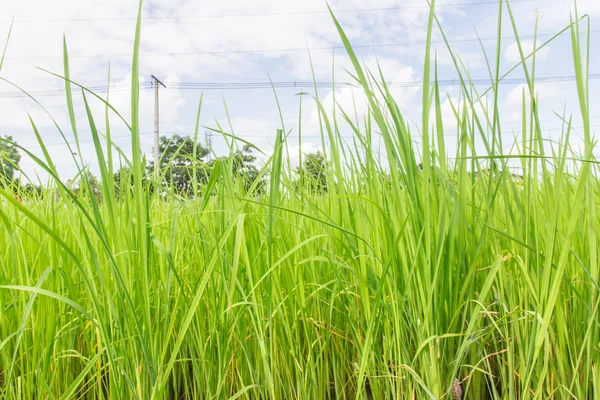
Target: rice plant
point(415, 274)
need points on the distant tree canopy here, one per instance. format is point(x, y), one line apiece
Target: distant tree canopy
point(177, 164)
point(123, 179)
point(243, 168)
point(312, 175)
point(31, 190)
point(9, 159)
point(179, 168)
point(87, 183)
point(180, 164)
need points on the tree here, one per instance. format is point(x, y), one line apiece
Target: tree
point(31, 190)
point(9, 159)
point(313, 174)
point(243, 168)
point(177, 166)
point(124, 180)
point(87, 184)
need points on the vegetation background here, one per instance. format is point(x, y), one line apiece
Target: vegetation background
point(352, 276)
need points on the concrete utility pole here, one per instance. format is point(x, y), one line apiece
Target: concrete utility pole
point(208, 140)
point(156, 83)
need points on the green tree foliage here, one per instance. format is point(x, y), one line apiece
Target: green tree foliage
point(243, 169)
point(177, 164)
point(9, 160)
point(312, 176)
point(86, 184)
point(31, 190)
point(124, 181)
point(178, 167)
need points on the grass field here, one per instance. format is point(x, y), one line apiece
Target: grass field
point(420, 276)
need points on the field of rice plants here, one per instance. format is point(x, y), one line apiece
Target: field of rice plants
point(416, 274)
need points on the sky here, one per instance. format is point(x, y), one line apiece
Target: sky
point(237, 42)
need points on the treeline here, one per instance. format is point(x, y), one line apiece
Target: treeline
point(184, 168)
point(9, 166)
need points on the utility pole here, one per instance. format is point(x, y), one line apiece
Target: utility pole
point(208, 141)
point(156, 83)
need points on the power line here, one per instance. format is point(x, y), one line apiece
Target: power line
point(267, 14)
point(61, 92)
point(205, 86)
point(113, 138)
point(452, 134)
point(322, 84)
point(506, 126)
point(282, 50)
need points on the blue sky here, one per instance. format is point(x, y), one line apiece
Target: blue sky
point(234, 41)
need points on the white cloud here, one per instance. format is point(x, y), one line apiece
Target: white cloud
point(512, 52)
point(354, 102)
point(40, 44)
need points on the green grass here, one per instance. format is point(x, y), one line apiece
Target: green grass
point(401, 282)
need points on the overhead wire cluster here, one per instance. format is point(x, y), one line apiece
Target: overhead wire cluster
point(259, 14)
point(300, 84)
point(265, 84)
point(200, 53)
